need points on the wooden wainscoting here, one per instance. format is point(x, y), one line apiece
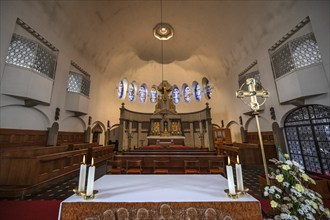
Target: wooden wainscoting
point(19, 137)
point(65, 137)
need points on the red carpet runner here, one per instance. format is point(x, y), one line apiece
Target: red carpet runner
point(29, 210)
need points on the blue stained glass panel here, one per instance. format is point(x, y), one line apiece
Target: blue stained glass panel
point(142, 94)
point(198, 92)
point(186, 93)
point(176, 95)
point(153, 95)
point(121, 89)
point(131, 92)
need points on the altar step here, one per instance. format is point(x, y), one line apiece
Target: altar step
point(170, 148)
point(169, 153)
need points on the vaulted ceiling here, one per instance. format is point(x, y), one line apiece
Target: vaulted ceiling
point(209, 36)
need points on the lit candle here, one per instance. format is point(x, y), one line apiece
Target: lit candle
point(82, 176)
point(90, 180)
point(230, 177)
point(239, 175)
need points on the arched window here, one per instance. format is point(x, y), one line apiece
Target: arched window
point(153, 94)
point(207, 88)
point(186, 93)
point(176, 95)
point(122, 88)
point(197, 91)
point(143, 92)
point(131, 91)
point(307, 131)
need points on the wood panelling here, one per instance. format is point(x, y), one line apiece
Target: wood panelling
point(175, 161)
point(70, 137)
point(28, 168)
point(267, 137)
point(18, 137)
point(249, 154)
point(222, 136)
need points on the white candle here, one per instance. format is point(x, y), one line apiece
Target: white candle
point(82, 176)
point(90, 180)
point(239, 175)
point(230, 177)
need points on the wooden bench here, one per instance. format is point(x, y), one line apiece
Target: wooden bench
point(32, 168)
point(175, 161)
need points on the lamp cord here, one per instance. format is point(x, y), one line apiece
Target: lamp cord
point(161, 42)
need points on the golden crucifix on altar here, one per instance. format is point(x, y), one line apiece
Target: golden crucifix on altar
point(255, 106)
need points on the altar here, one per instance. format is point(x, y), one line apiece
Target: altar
point(165, 126)
point(165, 141)
point(161, 197)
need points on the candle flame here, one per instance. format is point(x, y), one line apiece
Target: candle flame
point(92, 164)
point(237, 159)
point(228, 160)
point(84, 159)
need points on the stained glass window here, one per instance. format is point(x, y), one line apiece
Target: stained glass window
point(143, 93)
point(121, 89)
point(153, 94)
point(176, 95)
point(207, 88)
point(186, 93)
point(197, 91)
point(307, 132)
point(131, 91)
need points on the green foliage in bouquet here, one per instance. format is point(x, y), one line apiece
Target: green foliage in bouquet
point(289, 195)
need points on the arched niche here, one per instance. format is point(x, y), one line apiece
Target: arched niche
point(21, 117)
point(74, 124)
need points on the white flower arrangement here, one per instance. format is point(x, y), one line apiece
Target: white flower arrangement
point(289, 195)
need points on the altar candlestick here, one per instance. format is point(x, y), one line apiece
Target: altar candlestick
point(239, 176)
point(230, 177)
point(82, 176)
point(90, 180)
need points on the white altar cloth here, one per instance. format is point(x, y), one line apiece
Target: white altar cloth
point(161, 188)
point(131, 194)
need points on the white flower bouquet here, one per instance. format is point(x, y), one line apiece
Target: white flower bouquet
point(289, 195)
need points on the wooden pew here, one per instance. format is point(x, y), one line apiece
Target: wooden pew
point(175, 161)
point(172, 153)
point(27, 170)
point(249, 154)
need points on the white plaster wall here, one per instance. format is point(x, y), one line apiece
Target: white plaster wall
point(19, 117)
point(318, 11)
point(41, 22)
point(103, 102)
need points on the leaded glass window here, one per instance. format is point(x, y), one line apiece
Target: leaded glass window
point(78, 83)
point(243, 77)
point(131, 91)
point(153, 94)
point(207, 88)
point(307, 132)
point(143, 93)
point(176, 95)
point(197, 91)
point(26, 53)
point(186, 93)
point(297, 53)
